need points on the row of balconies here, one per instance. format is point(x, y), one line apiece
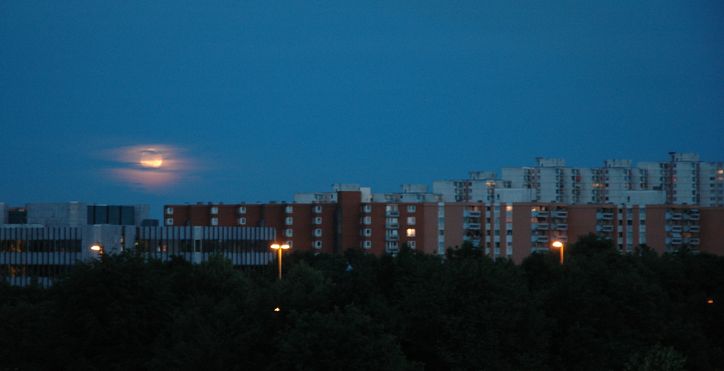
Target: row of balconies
point(682, 241)
point(692, 214)
point(685, 228)
point(472, 226)
point(604, 216)
point(546, 226)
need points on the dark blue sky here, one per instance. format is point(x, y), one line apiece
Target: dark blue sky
point(276, 97)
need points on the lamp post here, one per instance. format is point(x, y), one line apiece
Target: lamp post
point(557, 244)
point(279, 248)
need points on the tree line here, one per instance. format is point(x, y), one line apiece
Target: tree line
point(601, 310)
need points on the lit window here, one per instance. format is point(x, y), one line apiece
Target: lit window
point(410, 232)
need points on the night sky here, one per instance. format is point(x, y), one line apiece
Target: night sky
point(256, 101)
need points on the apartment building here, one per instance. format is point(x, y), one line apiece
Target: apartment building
point(481, 186)
point(665, 228)
point(682, 180)
point(349, 217)
point(711, 183)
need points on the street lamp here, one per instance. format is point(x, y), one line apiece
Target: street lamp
point(557, 244)
point(97, 248)
point(279, 248)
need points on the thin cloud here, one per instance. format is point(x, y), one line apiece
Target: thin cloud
point(150, 167)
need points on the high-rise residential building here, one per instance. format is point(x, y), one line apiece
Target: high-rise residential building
point(711, 183)
point(682, 180)
point(685, 179)
point(481, 186)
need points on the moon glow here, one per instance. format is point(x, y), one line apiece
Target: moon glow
point(150, 158)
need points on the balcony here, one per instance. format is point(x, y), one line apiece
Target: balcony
point(473, 226)
point(392, 213)
point(561, 227)
point(604, 216)
point(692, 228)
point(604, 228)
point(540, 239)
point(693, 216)
point(560, 214)
point(471, 214)
point(540, 227)
point(674, 228)
point(392, 225)
point(392, 237)
point(674, 216)
point(540, 214)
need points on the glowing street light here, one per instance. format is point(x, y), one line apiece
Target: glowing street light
point(97, 248)
point(557, 244)
point(279, 248)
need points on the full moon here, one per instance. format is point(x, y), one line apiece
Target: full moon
point(151, 158)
